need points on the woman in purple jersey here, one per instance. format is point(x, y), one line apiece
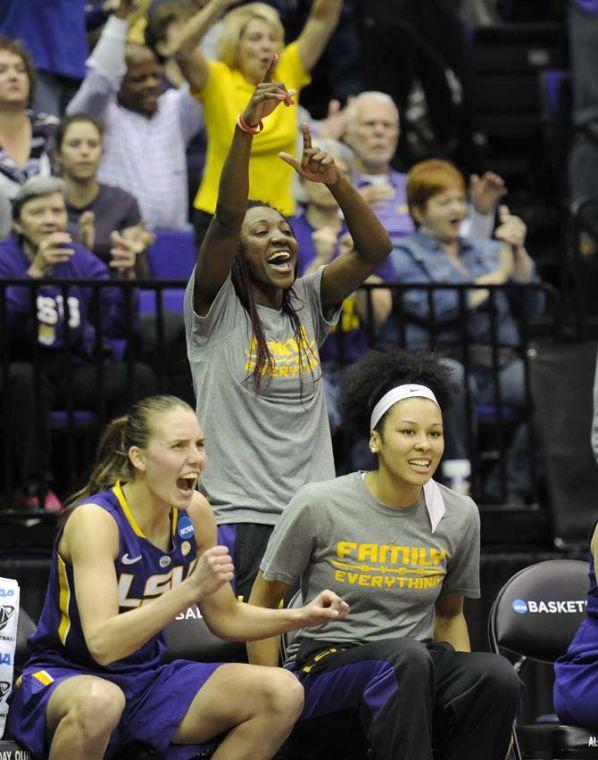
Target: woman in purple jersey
point(138, 532)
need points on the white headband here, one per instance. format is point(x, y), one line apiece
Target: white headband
point(409, 390)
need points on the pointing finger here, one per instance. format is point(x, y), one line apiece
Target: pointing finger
point(291, 161)
point(306, 136)
point(270, 70)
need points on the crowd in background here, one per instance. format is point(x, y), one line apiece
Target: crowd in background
point(115, 120)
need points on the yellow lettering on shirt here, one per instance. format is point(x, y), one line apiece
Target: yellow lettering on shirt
point(290, 357)
point(389, 565)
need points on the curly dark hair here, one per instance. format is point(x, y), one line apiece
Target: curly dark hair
point(364, 383)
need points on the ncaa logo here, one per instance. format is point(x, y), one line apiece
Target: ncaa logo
point(520, 606)
point(6, 612)
point(186, 529)
point(4, 689)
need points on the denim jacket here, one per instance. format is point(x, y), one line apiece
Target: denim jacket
point(420, 259)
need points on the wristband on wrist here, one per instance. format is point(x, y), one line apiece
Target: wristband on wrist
point(245, 127)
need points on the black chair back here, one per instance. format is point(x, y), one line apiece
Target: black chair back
point(538, 610)
point(189, 638)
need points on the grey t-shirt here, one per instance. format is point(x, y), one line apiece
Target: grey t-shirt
point(384, 561)
point(114, 209)
point(261, 449)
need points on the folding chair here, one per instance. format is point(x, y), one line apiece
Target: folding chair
point(535, 616)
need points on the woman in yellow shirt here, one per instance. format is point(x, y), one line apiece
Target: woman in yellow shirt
point(250, 36)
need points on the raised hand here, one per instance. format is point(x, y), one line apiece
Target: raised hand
point(213, 569)
point(486, 191)
point(123, 8)
point(512, 229)
point(335, 123)
point(267, 97)
point(138, 234)
point(53, 249)
point(316, 165)
point(124, 252)
point(326, 606)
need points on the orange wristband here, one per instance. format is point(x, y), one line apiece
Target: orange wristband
point(242, 124)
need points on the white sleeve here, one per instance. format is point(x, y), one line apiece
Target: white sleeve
point(190, 114)
point(106, 68)
point(478, 226)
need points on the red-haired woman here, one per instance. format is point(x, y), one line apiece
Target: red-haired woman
point(437, 198)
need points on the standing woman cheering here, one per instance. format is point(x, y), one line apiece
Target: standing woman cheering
point(253, 332)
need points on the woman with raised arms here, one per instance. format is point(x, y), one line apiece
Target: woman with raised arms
point(253, 332)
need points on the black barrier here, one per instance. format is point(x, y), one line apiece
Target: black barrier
point(72, 429)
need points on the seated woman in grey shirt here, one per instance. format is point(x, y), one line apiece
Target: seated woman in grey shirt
point(402, 551)
point(253, 332)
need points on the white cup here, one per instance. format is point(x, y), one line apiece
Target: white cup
point(457, 473)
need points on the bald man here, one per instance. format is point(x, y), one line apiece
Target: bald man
point(372, 131)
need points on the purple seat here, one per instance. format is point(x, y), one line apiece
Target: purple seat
point(81, 418)
point(489, 413)
point(172, 256)
point(172, 300)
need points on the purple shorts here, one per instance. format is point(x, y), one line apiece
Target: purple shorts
point(156, 703)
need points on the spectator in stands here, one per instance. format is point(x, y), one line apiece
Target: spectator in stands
point(40, 251)
point(146, 131)
point(165, 22)
point(321, 235)
point(106, 684)
point(96, 210)
point(403, 551)
point(253, 333)
point(436, 253)
point(583, 163)
point(339, 73)
point(56, 36)
point(370, 125)
point(25, 136)
point(425, 45)
point(251, 35)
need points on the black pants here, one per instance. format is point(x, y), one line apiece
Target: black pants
point(246, 543)
point(414, 701)
point(26, 434)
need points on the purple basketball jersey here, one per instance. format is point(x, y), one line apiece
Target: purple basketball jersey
point(143, 571)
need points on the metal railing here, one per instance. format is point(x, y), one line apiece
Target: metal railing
point(76, 430)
